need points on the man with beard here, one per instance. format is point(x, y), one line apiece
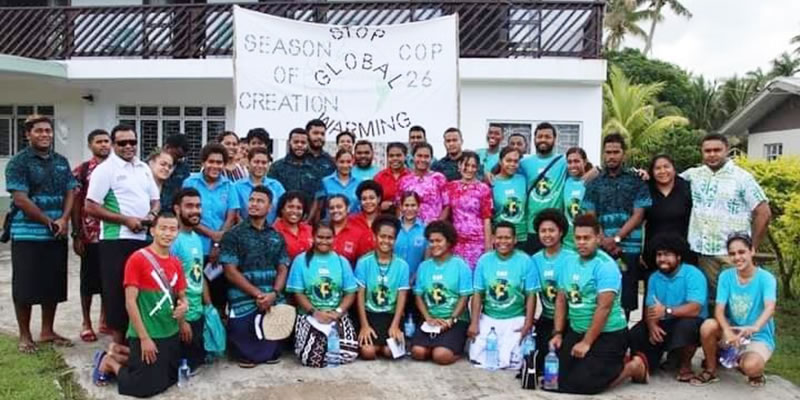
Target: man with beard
point(545, 173)
point(449, 164)
point(258, 165)
point(321, 162)
point(123, 195)
point(618, 197)
point(86, 233)
point(295, 171)
point(220, 206)
point(490, 156)
point(256, 261)
point(364, 168)
point(188, 248)
point(518, 141)
point(676, 306)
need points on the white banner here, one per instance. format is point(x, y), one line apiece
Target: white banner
point(374, 81)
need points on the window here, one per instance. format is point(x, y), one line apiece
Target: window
point(12, 131)
point(773, 151)
point(568, 133)
point(200, 124)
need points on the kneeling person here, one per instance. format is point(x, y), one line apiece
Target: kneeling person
point(592, 351)
point(156, 303)
point(745, 305)
point(504, 299)
point(676, 305)
point(382, 279)
point(255, 260)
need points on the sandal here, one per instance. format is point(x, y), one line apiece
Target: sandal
point(58, 341)
point(684, 376)
point(758, 381)
point(99, 378)
point(27, 347)
point(88, 336)
point(646, 378)
point(705, 378)
point(246, 364)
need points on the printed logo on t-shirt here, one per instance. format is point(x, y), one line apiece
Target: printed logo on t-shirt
point(348, 247)
point(418, 242)
point(380, 296)
point(324, 288)
point(499, 290)
point(574, 207)
point(543, 188)
point(512, 209)
point(436, 295)
point(740, 305)
point(550, 290)
point(575, 296)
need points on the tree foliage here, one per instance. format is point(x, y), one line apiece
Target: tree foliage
point(621, 20)
point(656, 9)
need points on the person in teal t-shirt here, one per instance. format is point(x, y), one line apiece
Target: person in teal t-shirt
point(592, 352)
point(546, 192)
point(382, 291)
point(504, 299)
point(676, 306)
point(746, 296)
point(189, 249)
point(489, 157)
point(574, 189)
point(444, 282)
point(547, 264)
point(324, 288)
point(509, 194)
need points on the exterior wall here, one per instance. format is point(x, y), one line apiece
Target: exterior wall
point(786, 116)
point(789, 138)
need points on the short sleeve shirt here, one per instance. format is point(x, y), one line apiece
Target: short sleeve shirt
point(504, 283)
point(613, 199)
point(295, 243)
point(509, 197)
point(256, 253)
point(470, 204)
point(429, 187)
point(582, 281)
point(365, 173)
point(488, 160)
point(90, 226)
point(46, 180)
point(441, 285)
point(722, 203)
point(388, 182)
point(549, 190)
point(122, 187)
point(188, 248)
point(332, 185)
point(174, 183)
point(353, 241)
point(381, 282)
point(411, 244)
point(217, 199)
point(574, 190)
point(744, 303)
point(244, 188)
point(325, 280)
point(296, 174)
point(321, 165)
point(548, 269)
point(155, 305)
point(686, 285)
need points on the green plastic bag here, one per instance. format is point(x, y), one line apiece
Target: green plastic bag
point(214, 336)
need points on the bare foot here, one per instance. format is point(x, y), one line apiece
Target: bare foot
point(26, 346)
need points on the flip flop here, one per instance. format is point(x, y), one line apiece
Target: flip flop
point(88, 336)
point(684, 377)
point(99, 378)
point(58, 341)
point(758, 381)
point(27, 348)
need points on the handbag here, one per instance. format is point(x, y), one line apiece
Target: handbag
point(214, 336)
point(542, 174)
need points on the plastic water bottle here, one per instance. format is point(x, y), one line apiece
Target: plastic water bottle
point(492, 352)
point(550, 381)
point(409, 328)
point(729, 355)
point(332, 356)
point(183, 374)
point(528, 344)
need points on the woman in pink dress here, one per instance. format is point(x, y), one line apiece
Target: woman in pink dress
point(427, 184)
point(468, 202)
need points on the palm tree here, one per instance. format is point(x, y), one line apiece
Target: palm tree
point(621, 20)
point(735, 93)
point(703, 105)
point(630, 109)
point(785, 65)
point(796, 40)
point(656, 7)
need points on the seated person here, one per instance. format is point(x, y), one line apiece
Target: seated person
point(504, 298)
point(382, 279)
point(551, 225)
point(592, 351)
point(188, 248)
point(676, 305)
point(149, 365)
point(255, 260)
point(324, 288)
point(745, 305)
point(444, 282)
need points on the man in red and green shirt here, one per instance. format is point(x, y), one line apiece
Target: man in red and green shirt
point(155, 298)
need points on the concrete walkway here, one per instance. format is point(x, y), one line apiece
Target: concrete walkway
point(360, 380)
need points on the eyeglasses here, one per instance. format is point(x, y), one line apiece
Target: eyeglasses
point(123, 143)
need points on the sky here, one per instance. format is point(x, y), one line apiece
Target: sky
point(726, 37)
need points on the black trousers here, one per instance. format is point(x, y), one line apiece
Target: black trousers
point(681, 332)
point(544, 332)
point(596, 371)
point(113, 255)
point(195, 352)
point(138, 379)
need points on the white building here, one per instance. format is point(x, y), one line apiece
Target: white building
point(770, 121)
point(167, 68)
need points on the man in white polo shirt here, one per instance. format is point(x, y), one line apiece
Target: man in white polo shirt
point(123, 195)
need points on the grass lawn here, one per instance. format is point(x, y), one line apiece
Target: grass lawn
point(785, 361)
point(35, 377)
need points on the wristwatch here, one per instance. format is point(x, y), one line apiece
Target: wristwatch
point(669, 311)
point(339, 310)
point(617, 239)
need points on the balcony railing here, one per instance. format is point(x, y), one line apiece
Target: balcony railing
point(499, 29)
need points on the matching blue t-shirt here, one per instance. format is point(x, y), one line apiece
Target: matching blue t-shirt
point(687, 284)
point(744, 303)
point(381, 283)
point(217, 199)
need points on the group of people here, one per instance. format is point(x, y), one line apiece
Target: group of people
point(464, 245)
